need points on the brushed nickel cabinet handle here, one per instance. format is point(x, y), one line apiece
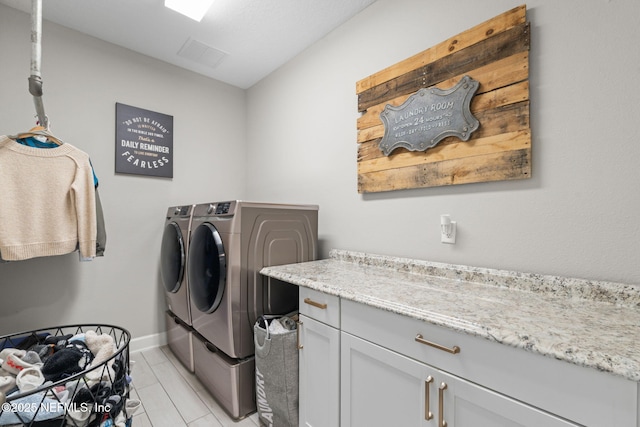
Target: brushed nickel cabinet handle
point(300, 346)
point(453, 350)
point(427, 412)
point(315, 304)
point(441, 421)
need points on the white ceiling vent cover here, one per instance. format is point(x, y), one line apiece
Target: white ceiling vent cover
point(201, 53)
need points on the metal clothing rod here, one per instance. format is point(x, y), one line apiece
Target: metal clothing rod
point(35, 80)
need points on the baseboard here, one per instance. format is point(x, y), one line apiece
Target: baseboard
point(148, 341)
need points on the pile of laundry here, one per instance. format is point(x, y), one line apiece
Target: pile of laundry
point(65, 380)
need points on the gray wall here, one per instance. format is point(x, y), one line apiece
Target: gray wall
point(83, 79)
point(291, 138)
point(577, 216)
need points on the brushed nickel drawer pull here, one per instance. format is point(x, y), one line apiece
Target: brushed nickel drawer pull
point(453, 350)
point(315, 304)
point(441, 421)
point(427, 411)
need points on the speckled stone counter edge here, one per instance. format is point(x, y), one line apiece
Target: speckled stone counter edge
point(581, 347)
point(609, 292)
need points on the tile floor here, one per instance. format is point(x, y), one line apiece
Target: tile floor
point(171, 396)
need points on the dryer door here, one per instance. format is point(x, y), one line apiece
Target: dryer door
point(207, 268)
point(172, 257)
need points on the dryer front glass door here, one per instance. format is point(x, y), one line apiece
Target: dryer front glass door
point(207, 268)
point(172, 257)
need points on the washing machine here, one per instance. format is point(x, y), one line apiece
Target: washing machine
point(230, 243)
point(173, 273)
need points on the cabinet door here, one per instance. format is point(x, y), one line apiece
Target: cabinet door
point(319, 374)
point(381, 388)
point(466, 404)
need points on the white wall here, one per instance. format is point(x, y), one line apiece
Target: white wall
point(578, 215)
point(292, 138)
point(83, 79)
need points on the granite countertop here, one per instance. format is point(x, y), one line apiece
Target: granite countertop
point(589, 323)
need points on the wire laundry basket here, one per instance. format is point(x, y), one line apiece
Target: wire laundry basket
point(81, 389)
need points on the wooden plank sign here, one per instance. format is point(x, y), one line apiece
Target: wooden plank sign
point(494, 53)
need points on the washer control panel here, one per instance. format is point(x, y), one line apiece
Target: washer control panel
point(179, 211)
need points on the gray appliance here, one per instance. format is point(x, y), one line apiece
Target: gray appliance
point(230, 243)
point(173, 273)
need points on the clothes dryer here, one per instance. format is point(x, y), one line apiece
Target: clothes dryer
point(230, 243)
point(173, 272)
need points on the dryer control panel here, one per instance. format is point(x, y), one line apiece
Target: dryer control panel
point(223, 208)
point(218, 208)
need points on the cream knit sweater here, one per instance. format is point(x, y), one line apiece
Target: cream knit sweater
point(47, 201)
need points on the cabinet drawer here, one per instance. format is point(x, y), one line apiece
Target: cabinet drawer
point(398, 333)
point(583, 395)
point(320, 306)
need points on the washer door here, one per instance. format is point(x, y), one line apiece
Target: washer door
point(207, 268)
point(172, 257)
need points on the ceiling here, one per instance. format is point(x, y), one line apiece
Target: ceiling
point(238, 42)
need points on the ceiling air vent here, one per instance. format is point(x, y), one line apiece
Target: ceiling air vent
point(201, 53)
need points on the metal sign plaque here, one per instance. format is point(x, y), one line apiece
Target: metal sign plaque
point(428, 116)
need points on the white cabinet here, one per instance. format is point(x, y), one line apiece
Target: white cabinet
point(319, 360)
point(383, 388)
point(491, 376)
point(465, 404)
point(362, 366)
point(379, 387)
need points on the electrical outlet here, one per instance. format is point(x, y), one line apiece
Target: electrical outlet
point(449, 237)
point(447, 230)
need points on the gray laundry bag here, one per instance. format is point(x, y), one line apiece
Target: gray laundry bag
point(276, 371)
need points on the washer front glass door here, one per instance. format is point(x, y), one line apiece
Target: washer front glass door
point(172, 257)
point(207, 268)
